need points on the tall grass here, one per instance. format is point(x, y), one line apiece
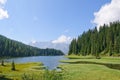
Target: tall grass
point(46, 75)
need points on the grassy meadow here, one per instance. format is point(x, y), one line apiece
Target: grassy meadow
point(90, 72)
point(29, 71)
point(75, 59)
point(89, 68)
point(75, 68)
point(21, 69)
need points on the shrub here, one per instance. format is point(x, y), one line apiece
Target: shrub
point(13, 66)
point(2, 63)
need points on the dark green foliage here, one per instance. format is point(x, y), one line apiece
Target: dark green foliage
point(13, 66)
point(105, 41)
point(11, 48)
point(73, 47)
point(2, 77)
point(2, 63)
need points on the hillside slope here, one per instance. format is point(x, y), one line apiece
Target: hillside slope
point(105, 41)
point(11, 48)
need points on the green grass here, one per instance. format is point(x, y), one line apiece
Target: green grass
point(80, 57)
point(78, 68)
point(32, 68)
point(83, 68)
point(29, 71)
point(46, 75)
point(112, 60)
point(90, 72)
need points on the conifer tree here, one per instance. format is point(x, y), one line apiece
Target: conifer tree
point(13, 66)
point(2, 62)
point(105, 41)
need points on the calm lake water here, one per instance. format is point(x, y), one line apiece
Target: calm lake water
point(51, 62)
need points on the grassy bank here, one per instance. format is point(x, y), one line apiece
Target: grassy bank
point(73, 59)
point(32, 68)
point(29, 71)
point(89, 68)
point(78, 68)
point(90, 72)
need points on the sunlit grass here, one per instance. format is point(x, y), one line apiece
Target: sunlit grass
point(46, 75)
point(80, 57)
point(72, 71)
point(29, 71)
point(82, 68)
point(112, 60)
point(20, 70)
point(90, 72)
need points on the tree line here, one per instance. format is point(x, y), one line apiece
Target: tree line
point(12, 48)
point(105, 41)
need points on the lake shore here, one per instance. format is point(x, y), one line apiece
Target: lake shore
point(20, 69)
point(89, 68)
point(75, 68)
point(51, 62)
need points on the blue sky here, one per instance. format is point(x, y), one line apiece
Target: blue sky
point(47, 20)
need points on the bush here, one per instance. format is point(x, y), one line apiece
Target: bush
point(2, 63)
point(13, 66)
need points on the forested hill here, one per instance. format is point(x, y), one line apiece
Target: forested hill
point(106, 41)
point(11, 48)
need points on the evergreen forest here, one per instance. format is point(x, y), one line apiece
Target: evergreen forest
point(12, 48)
point(105, 41)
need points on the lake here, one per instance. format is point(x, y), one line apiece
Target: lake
point(51, 62)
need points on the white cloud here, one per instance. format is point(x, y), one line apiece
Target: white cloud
point(62, 39)
point(34, 41)
point(109, 12)
point(3, 13)
point(2, 2)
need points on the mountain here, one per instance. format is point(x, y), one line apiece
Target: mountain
point(59, 46)
point(12, 48)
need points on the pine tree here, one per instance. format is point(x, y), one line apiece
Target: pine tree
point(2, 62)
point(13, 66)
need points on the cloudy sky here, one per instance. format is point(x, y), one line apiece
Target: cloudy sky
point(54, 20)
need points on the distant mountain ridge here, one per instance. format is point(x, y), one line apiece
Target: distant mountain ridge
point(59, 46)
point(12, 48)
